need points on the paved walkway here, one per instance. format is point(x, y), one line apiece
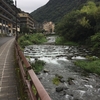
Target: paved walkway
point(8, 84)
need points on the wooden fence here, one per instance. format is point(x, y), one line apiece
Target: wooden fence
point(34, 88)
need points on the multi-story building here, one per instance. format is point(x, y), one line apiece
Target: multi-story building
point(26, 21)
point(8, 17)
point(48, 27)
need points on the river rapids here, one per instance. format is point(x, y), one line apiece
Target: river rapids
point(75, 84)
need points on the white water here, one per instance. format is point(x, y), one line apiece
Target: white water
point(58, 62)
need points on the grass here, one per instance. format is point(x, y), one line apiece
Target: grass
point(56, 80)
point(38, 66)
point(91, 66)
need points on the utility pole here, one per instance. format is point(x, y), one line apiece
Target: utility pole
point(16, 20)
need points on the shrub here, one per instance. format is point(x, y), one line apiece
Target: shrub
point(38, 66)
point(31, 39)
point(56, 80)
point(62, 41)
point(95, 41)
point(90, 66)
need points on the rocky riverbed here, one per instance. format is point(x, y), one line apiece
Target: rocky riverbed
point(75, 84)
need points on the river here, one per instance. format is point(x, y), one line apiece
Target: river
point(75, 84)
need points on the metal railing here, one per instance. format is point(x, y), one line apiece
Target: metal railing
point(34, 88)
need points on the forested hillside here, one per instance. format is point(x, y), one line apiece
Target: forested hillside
point(54, 10)
point(77, 20)
point(82, 26)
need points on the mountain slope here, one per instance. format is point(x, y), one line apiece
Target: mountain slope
point(54, 10)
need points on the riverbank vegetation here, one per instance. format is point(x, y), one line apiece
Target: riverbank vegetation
point(62, 41)
point(30, 39)
point(82, 26)
point(38, 66)
point(91, 66)
point(56, 81)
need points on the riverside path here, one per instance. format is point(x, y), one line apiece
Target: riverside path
point(8, 84)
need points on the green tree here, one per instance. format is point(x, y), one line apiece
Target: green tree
point(89, 8)
point(95, 41)
point(79, 25)
point(97, 18)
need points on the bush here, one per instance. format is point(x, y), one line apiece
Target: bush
point(90, 66)
point(62, 41)
point(95, 41)
point(38, 66)
point(31, 39)
point(59, 40)
point(56, 80)
point(26, 43)
point(38, 38)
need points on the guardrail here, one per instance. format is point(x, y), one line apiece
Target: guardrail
point(35, 89)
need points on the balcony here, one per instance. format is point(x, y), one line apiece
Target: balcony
point(8, 6)
point(6, 11)
point(1, 15)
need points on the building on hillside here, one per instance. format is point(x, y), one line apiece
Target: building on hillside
point(48, 27)
point(26, 22)
point(38, 27)
point(8, 17)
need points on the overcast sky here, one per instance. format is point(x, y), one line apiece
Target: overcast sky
point(30, 5)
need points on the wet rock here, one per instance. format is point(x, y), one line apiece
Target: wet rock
point(31, 49)
point(61, 88)
point(98, 86)
point(70, 81)
point(69, 57)
point(45, 70)
point(59, 76)
point(62, 93)
point(68, 97)
point(75, 99)
point(37, 73)
point(40, 78)
point(98, 90)
point(62, 80)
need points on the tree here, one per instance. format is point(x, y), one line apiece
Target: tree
point(79, 25)
point(89, 8)
point(97, 18)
